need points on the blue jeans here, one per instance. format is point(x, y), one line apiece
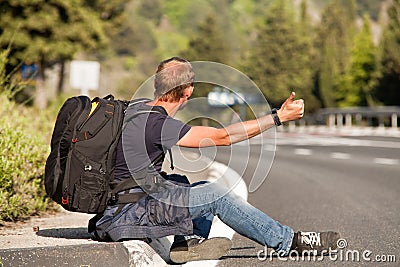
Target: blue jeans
point(238, 214)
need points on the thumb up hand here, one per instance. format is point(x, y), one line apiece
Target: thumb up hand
point(291, 109)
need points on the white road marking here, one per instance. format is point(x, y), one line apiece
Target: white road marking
point(270, 148)
point(338, 155)
point(303, 151)
point(313, 140)
point(386, 161)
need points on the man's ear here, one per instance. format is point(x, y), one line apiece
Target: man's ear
point(189, 91)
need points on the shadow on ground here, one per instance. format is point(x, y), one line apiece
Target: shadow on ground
point(67, 233)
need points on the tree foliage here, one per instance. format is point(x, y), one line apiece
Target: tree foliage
point(333, 42)
point(51, 32)
point(48, 31)
point(389, 84)
point(361, 78)
point(280, 62)
point(208, 44)
point(280, 44)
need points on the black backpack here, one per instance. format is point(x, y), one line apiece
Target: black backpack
point(79, 173)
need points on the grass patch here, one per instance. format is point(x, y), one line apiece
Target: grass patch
point(24, 146)
point(23, 150)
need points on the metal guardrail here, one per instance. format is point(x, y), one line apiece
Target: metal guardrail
point(369, 116)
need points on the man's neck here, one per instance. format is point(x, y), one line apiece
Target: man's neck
point(171, 107)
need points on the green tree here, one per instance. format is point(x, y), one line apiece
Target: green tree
point(371, 7)
point(135, 36)
point(111, 13)
point(151, 10)
point(208, 44)
point(187, 15)
point(280, 61)
point(51, 32)
point(389, 84)
point(333, 43)
point(175, 10)
point(350, 8)
point(361, 79)
point(307, 54)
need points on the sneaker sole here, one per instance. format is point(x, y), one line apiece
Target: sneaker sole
point(209, 249)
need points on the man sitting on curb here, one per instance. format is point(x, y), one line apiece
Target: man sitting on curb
point(170, 206)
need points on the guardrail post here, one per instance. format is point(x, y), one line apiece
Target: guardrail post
point(339, 120)
point(292, 125)
point(331, 120)
point(348, 120)
point(358, 119)
point(394, 120)
point(381, 122)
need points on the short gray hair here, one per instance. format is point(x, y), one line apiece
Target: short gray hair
point(172, 77)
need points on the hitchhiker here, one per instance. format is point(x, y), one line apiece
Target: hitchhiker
point(166, 204)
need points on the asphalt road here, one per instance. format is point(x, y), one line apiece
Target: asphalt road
point(327, 183)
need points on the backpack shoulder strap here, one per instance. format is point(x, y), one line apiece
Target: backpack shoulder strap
point(139, 100)
point(146, 110)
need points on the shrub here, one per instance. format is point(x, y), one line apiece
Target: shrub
point(24, 146)
point(23, 151)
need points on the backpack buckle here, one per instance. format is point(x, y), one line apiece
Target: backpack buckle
point(113, 199)
point(64, 201)
point(88, 167)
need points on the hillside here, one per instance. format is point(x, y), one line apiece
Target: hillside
point(157, 29)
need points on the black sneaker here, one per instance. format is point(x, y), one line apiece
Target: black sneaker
point(199, 249)
point(319, 242)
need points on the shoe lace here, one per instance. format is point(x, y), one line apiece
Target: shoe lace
point(311, 238)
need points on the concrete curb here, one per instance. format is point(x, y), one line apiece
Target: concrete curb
point(129, 253)
point(141, 254)
point(80, 251)
point(107, 254)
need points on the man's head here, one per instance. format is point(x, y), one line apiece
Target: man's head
point(173, 80)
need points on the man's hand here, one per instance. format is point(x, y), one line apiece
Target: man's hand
point(291, 109)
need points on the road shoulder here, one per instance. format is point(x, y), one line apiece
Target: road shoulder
point(55, 240)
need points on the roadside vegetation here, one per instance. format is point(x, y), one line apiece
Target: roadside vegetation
point(24, 147)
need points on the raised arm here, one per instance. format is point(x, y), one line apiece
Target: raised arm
point(202, 136)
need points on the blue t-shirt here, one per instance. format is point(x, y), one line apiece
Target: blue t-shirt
point(146, 137)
